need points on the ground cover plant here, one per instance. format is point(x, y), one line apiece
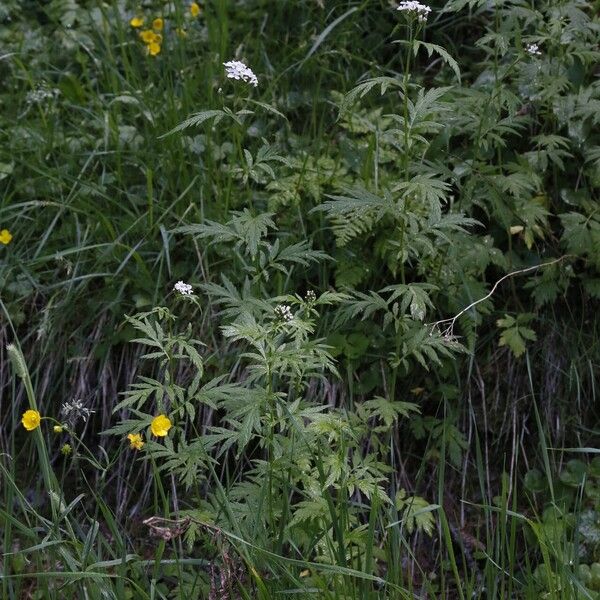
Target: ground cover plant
point(298, 298)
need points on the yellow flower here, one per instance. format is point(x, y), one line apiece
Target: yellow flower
point(5, 237)
point(147, 36)
point(136, 22)
point(153, 49)
point(157, 39)
point(31, 419)
point(58, 429)
point(181, 32)
point(160, 425)
point(194, 9)
point(66, 450)
point(135, 441)
point(158, 24)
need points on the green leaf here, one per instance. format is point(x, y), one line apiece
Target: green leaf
point(574, 474)
point(534, 481)
point(431, 48)
point(417, 513)
point(387, 410)
point(195, 120)
point(515, 334)
point(356, 345)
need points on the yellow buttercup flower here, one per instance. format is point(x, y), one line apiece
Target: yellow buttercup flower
point(147, 36)
point(158, 24)
point(31, 419)
point(57, 429)
point(135, 441)
point(194, 9)
point(157, 39)
point(153, 49)
point(136, 22)
point(5, 237)
point(160, 425)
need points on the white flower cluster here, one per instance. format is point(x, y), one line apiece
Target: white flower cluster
point(75, 410)
point(41, 94)
point(284, 312)
point(310, 296)
point(420, 10)
point(238, 70)
point(185, 289)
point(533, 50)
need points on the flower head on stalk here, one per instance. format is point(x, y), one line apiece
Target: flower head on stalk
point(414, 8)
point(185, 289)
point(75, 410)
point(533, 50)
point(31, 419)
point(238, 70)
point(284, 312)
point(160, 425)
point(135, 441)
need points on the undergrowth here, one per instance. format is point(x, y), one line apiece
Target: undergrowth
point(297, 298)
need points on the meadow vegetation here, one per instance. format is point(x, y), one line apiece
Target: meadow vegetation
point(298, 299)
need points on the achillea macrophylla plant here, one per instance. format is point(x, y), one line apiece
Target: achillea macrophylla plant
point(308, 475)
point(236, 71)
point(313, 472)
point(406, 207)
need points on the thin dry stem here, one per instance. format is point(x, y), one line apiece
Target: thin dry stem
point(449, 331)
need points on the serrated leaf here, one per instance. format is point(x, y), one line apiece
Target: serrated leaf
point(431, 48)
point(417, 513)
point(195, 120)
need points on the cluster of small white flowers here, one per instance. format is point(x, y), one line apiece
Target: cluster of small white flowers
point(41, 94)
point(238, 70)
point(75, 410)
point(420, 10)
point(310, 296)
point(533, 50)
point(185, 289)
point(284, 312)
